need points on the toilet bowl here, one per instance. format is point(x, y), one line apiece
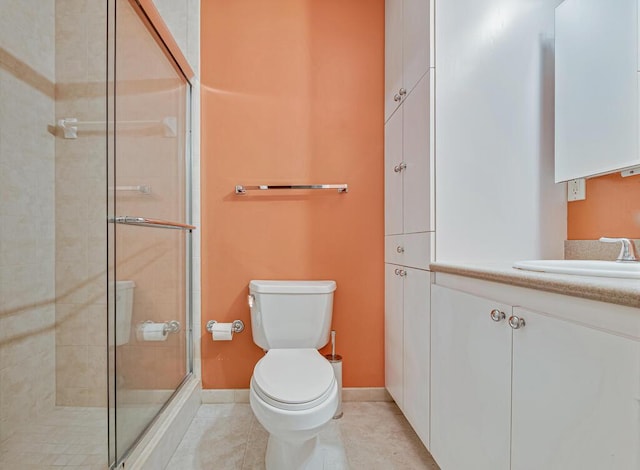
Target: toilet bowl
point(294, 395)
point(293, 391)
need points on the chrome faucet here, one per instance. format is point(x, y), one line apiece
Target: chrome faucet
point(628, 251)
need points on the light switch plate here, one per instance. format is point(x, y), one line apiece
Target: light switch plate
point(576, 190)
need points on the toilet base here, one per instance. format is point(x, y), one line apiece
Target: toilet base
point(294, 455)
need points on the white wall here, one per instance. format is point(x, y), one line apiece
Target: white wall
point(495, 195)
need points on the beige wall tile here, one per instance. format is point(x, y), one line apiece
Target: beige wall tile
point(72, 325)
point(72, 367)
point(27, 312)
point(27, 33)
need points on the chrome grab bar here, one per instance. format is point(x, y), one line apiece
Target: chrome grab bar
point(342, 188)
point(157, 223)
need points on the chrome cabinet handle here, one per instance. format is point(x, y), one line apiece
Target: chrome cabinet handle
point(516, 322)
point(497, 315)
point(398, 96)
point(396, 272)
point(400, 272)
point(400, 249)
point(401, 166)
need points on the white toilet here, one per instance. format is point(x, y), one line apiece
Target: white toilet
point(293, 392)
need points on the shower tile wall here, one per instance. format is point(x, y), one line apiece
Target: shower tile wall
point(183, 19)
point(80, 210)
point(27, 290)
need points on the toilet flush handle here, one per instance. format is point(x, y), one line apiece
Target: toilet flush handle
point(251, 300)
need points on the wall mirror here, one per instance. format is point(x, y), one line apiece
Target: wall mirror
point(596, 87)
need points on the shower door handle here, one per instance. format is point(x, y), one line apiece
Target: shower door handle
point(157, 223)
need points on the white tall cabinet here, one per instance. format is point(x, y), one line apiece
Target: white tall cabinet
point(409, 221)
point(408, 48)
point(495, 197)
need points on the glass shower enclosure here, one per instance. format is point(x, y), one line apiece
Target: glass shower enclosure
point(149, 205)
point(95, 234)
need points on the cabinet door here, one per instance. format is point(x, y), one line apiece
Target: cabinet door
point(415, 41)
point(415, 153)
point(393, 329)
point(470, 382)
point(392, 178)
point(575, 397)
point(417, 299)
point(596, 87)
point(392, 54)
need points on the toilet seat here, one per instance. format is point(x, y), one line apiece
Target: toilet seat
point(293, 379)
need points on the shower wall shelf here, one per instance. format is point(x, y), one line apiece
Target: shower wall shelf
point(143, 188)
point(69, 126)
point(241, 189)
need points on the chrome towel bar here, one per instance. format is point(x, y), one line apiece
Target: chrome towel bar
point(157, 223)
point(69, 126)
point(241, 189)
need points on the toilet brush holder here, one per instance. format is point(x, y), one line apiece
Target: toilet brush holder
point(336, 363)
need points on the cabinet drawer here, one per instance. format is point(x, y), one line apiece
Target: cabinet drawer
point(413, 249)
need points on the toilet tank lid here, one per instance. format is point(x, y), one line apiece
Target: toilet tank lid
point(292, 287)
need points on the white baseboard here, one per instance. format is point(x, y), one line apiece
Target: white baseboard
point(365, 394)
point(241, 395)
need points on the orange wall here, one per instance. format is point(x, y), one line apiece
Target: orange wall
point(612, 208)
point(292, 92)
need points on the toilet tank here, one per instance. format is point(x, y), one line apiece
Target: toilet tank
point(291, 314)
point(123, 311)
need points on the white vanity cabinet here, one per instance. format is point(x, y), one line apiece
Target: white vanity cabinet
point(407, 48)
point(470, 382)
point(575, 398)
point(556, 393)
point(407, 338)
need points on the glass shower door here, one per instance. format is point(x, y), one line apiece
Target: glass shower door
point(151, 234)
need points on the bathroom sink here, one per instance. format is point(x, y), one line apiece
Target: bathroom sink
point(629, 270)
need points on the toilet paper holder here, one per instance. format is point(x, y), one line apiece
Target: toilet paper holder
point(172, 326)
point(237, 326)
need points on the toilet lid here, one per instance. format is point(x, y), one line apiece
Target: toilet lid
point(293, 376)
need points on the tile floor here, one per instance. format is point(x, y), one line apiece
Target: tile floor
point(65, 438)
point(370, 435)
